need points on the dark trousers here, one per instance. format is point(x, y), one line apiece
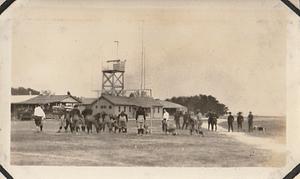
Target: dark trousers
point(240, 126)
point(230, 126)
point(164, 125)
point(177, 124)
point(68, 124)
point(185, 124)
point(250, 126)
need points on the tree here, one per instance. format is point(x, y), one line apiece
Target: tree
point(24, 91)
point(47, 92)
point(202, 103)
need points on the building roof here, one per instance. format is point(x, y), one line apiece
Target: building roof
point(41, 99)
point(168, 104)
point(131, 101)
point(19, 98)
point(86, 101)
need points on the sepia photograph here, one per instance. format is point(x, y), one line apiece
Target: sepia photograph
point(148, 84)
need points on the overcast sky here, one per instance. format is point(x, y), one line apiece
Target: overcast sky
point(232, 50)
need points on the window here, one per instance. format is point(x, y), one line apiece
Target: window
point(157, 109)
point(129, 108)
point(124, 108)
point(119, 108)
point(96, 106)
point(109, 107)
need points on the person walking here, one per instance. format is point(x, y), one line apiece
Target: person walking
point(140, 118)
point(250, 122)
point(240, 120)
point(230, 120)
point(164, 121)
point(39, 115)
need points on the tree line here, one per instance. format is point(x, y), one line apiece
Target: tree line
point(202, 103)
point(24, 91)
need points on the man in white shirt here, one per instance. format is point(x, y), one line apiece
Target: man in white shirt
point(164, 121)
point(38, 116)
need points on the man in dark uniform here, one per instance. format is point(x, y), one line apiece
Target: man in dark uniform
point(240, 120)
point(250, 122)
point(210, 119)
point(230, 120)
point(98, 122)
point(87, 114)
point(76, 117)
point(177, 119)
point(140, 118)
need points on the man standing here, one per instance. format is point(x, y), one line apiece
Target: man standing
point(75, 118)
point(210, 119)
point(250, 122)
point(240, 120)
point(230, 120)
point(177, 119)
point(140, 118)
point(164, 121)
point(186, 118)
point(62, 119)
point(88, 118)
point(123, 119)
point(38, 116)
point(106, 121)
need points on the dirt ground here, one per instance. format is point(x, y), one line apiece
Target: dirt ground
point(215, 149)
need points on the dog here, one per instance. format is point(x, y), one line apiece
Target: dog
point(259, 128)
point(146, 129)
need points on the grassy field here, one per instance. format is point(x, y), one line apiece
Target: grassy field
point(157, 149)
point(275, 128)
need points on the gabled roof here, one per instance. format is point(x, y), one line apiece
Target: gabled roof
point(86, 101)
point(168, 104)
point(118, 100)
point(19, 98)
point(131, 101)
point(41, 99)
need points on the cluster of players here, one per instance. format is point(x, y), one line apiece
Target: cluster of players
point(76, 121)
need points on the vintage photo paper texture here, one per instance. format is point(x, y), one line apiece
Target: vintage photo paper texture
point(149, 89)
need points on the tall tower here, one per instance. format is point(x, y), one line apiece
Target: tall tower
point(113, 78)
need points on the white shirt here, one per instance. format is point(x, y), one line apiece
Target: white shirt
point(166, 115)
point(38, 111)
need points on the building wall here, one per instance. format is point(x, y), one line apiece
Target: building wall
point(102, 105)
point(129, 110)
point(157, 112)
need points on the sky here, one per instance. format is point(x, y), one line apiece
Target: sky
point(233, 50)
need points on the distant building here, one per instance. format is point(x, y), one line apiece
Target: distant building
point(116, 104)
point(16, 105)
point(49, 102)
point(172, 107)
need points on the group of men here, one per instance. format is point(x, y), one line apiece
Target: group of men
point(240, 120)
point(194, 122)
point(85, 120)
